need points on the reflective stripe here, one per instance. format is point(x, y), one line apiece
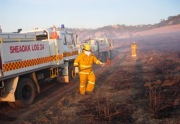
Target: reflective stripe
point(86, 65)
point(83, 72)
point(75, 63)
point(82, 86)
point(97, 61)
point(91, 82)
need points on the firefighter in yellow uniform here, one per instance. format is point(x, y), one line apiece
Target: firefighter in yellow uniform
point(84, 63)
point(133, 50)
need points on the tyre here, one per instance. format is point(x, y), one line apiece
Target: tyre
point(104, 56)
point(71, 72)
point(25, 93)
point(100, 56)
point(110, 54)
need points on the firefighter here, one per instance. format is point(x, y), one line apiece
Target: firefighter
point(54, 34)
point(84, 63)
point(133, 50)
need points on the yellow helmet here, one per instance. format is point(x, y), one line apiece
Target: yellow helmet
point(87, 47)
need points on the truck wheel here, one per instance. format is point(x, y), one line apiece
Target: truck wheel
point(25, 93)
point(100, 56)
point(70, 72)
point(110, 54)
point(104, 56)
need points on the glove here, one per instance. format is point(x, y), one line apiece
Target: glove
point(76, 70)
point(102, 64)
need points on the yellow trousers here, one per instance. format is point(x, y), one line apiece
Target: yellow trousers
point(133, 53)
point(87, 82)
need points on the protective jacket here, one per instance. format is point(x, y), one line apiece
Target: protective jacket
point(85, 63)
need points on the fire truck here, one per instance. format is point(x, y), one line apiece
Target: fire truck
point(101, 47)
point(30, 56)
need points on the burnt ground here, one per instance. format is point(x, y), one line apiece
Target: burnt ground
point(120, 95)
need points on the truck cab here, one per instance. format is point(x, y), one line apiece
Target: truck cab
point(101, 47)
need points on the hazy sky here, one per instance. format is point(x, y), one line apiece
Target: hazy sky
point(28, 14)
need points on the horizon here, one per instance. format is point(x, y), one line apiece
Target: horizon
point(83, 14)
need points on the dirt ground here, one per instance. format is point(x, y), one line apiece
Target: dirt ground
point(120, 95)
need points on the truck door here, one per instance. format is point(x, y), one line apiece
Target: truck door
point(70, 49)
